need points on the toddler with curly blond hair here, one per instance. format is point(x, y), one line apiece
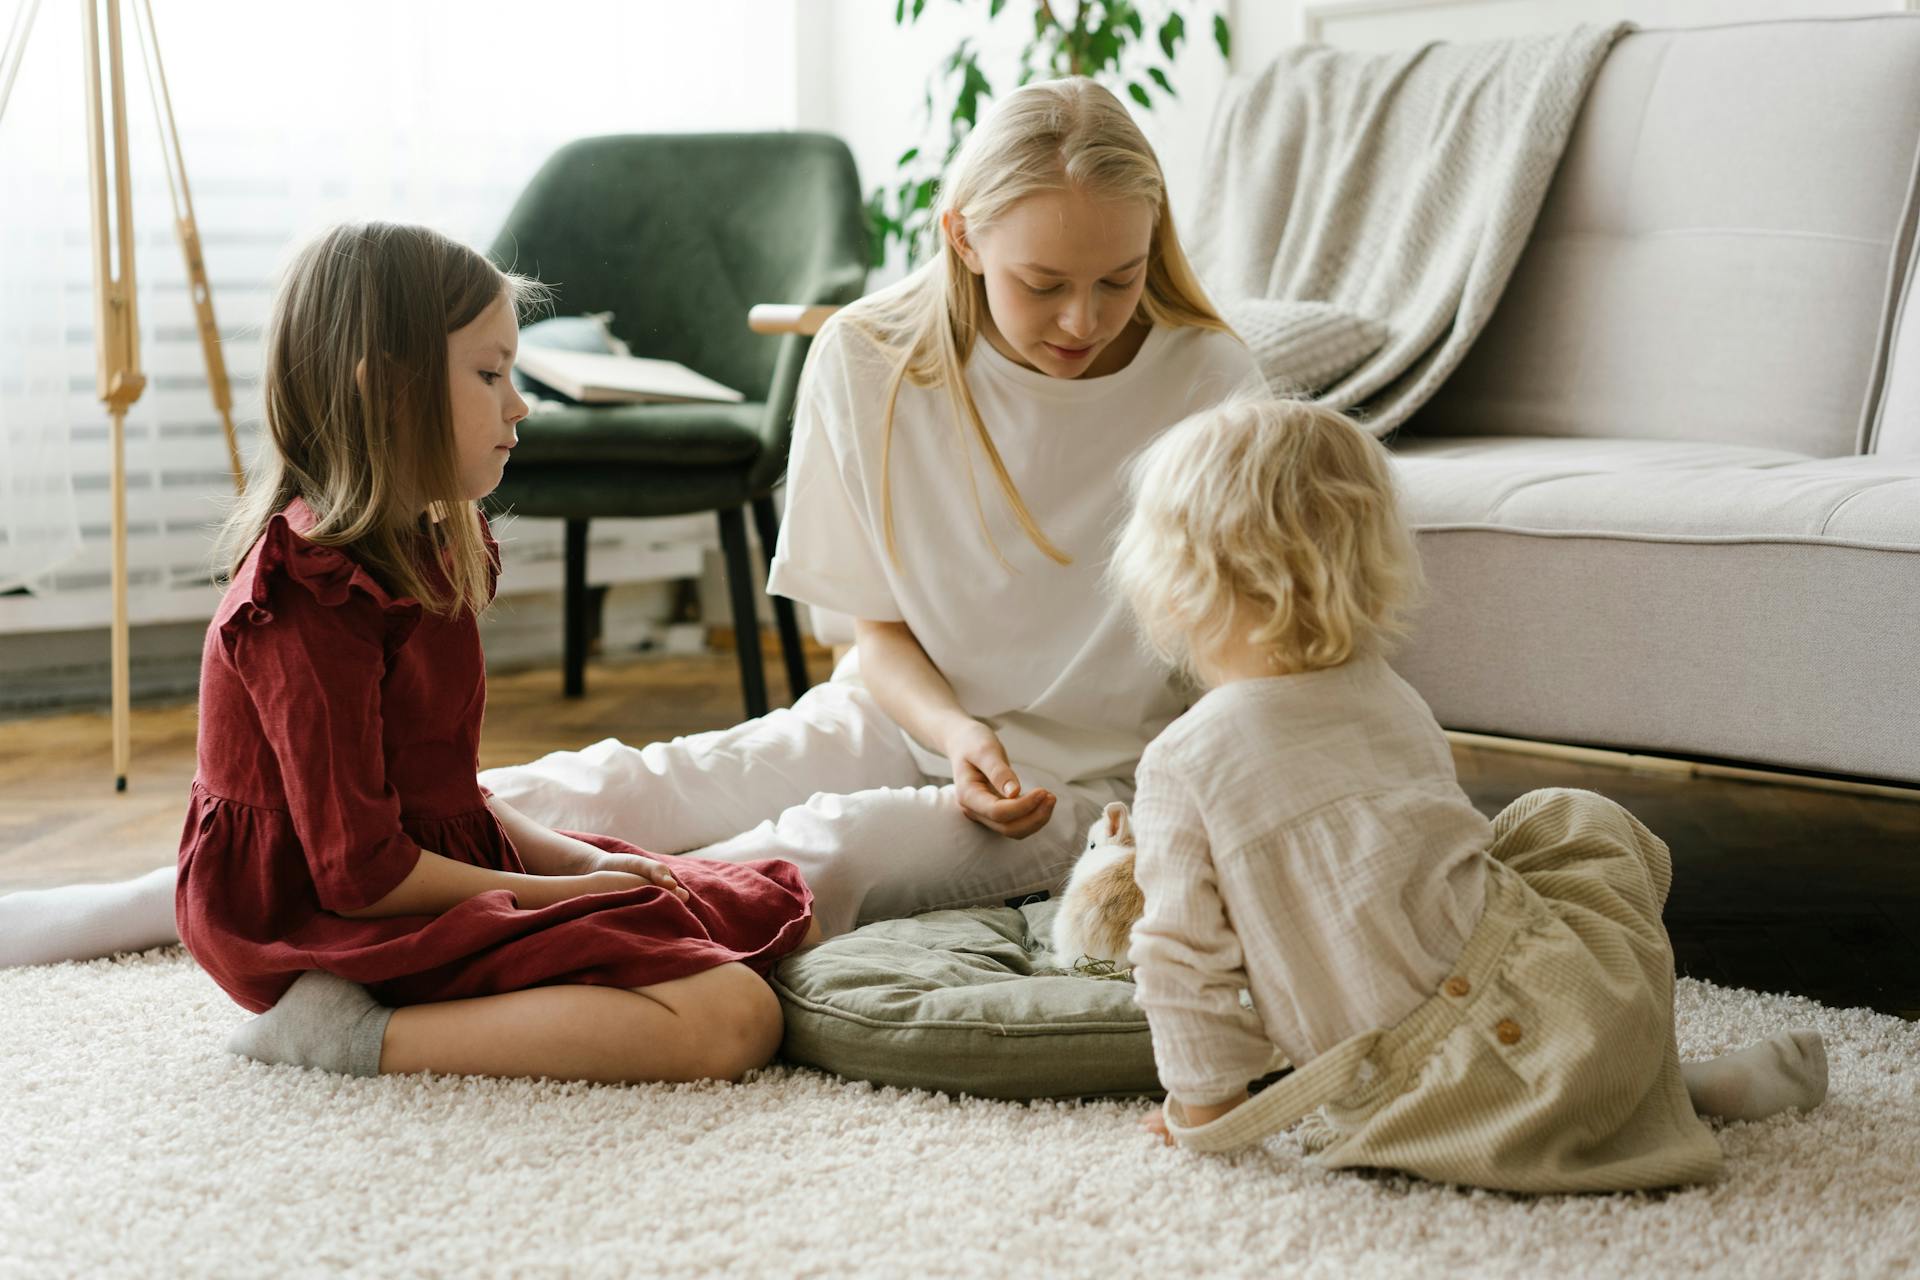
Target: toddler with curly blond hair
point(1486, 1003)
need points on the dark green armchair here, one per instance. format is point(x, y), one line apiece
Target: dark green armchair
point(678, 236)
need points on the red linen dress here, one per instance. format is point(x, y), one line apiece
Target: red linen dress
point(339, 731)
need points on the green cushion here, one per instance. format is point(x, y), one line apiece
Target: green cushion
point(572, 491)
point(677, 435)
point(964, 1002)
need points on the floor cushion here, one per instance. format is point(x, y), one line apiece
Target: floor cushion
point(965, 1002)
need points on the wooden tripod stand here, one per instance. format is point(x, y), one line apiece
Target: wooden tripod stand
point(116, 336)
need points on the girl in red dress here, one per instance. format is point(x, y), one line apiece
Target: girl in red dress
point(341, 866)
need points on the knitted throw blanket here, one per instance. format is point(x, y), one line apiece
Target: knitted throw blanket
point(1399, 187)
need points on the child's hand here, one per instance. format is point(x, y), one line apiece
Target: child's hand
point(609, 881)
point(648, 870)
point(546, 852)
point(535, 892)
point(1156, 1121)
point(987, 788)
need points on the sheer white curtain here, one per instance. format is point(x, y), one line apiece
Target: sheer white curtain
point(39, 519)
point(291, 116)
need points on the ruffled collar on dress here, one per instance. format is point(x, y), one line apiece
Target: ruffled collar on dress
point(328, 574)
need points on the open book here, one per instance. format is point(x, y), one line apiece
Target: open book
point(595, 378)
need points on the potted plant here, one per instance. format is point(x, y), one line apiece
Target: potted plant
point(1107, 40)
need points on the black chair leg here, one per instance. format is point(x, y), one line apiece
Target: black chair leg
point(574, 661)
point(746, 619)
point(768, 527)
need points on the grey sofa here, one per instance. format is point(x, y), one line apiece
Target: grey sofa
point(1671, 500)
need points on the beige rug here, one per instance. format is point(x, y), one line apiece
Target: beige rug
point(131, 1145)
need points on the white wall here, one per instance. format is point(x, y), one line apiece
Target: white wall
point(860, 76)
point(864, 78)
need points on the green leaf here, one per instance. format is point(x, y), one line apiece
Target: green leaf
point(899, 12)
point(1103, 51)
point(1139, 94)
point(993, 10)
point(1222, 36)
point(907, 156)
point(1160, 78)
point(1172, 31)
point(918, 5)
point(1129, 17)
point(881, 227)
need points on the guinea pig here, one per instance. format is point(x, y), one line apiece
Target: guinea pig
point(1101, 902)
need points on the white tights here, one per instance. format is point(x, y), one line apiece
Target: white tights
point(827, 784)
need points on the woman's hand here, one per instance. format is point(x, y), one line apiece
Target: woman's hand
point(913, 693)
point(987, 788)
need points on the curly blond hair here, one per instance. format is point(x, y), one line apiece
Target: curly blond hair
point(1274, 519)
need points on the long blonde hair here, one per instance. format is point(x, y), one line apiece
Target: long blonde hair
point(359, 418)
point(1058, 135)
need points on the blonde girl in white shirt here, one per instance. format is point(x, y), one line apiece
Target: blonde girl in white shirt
point(954, 487)
point(1474, 1002)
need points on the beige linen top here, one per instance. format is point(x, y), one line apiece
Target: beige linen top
point(1302, 838)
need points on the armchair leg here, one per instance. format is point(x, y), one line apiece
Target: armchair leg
point(767, 525)
point(746, 619)
point(574, 661)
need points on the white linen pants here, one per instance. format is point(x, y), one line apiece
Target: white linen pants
point(827, 784)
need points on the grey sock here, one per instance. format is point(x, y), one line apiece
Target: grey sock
point(1761, 1080)
point(323, 1022)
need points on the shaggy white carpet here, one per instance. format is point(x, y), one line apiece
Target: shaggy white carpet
point(133, 1145)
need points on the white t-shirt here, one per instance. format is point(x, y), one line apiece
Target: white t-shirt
point(1040, 654)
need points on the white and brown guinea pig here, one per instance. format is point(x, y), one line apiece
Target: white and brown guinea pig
point(1101, 902)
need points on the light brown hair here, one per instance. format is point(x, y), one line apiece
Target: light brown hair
point(359, 420)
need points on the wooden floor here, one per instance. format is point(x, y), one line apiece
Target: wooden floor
point(1778, 888)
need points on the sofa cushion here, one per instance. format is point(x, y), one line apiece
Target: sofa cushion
point(964, 1002)
point(1706, 600)
point(1659, 489)
point(1713, 260)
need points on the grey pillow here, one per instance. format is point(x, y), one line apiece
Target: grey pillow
point(1302, 347)
point(964, 1002)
